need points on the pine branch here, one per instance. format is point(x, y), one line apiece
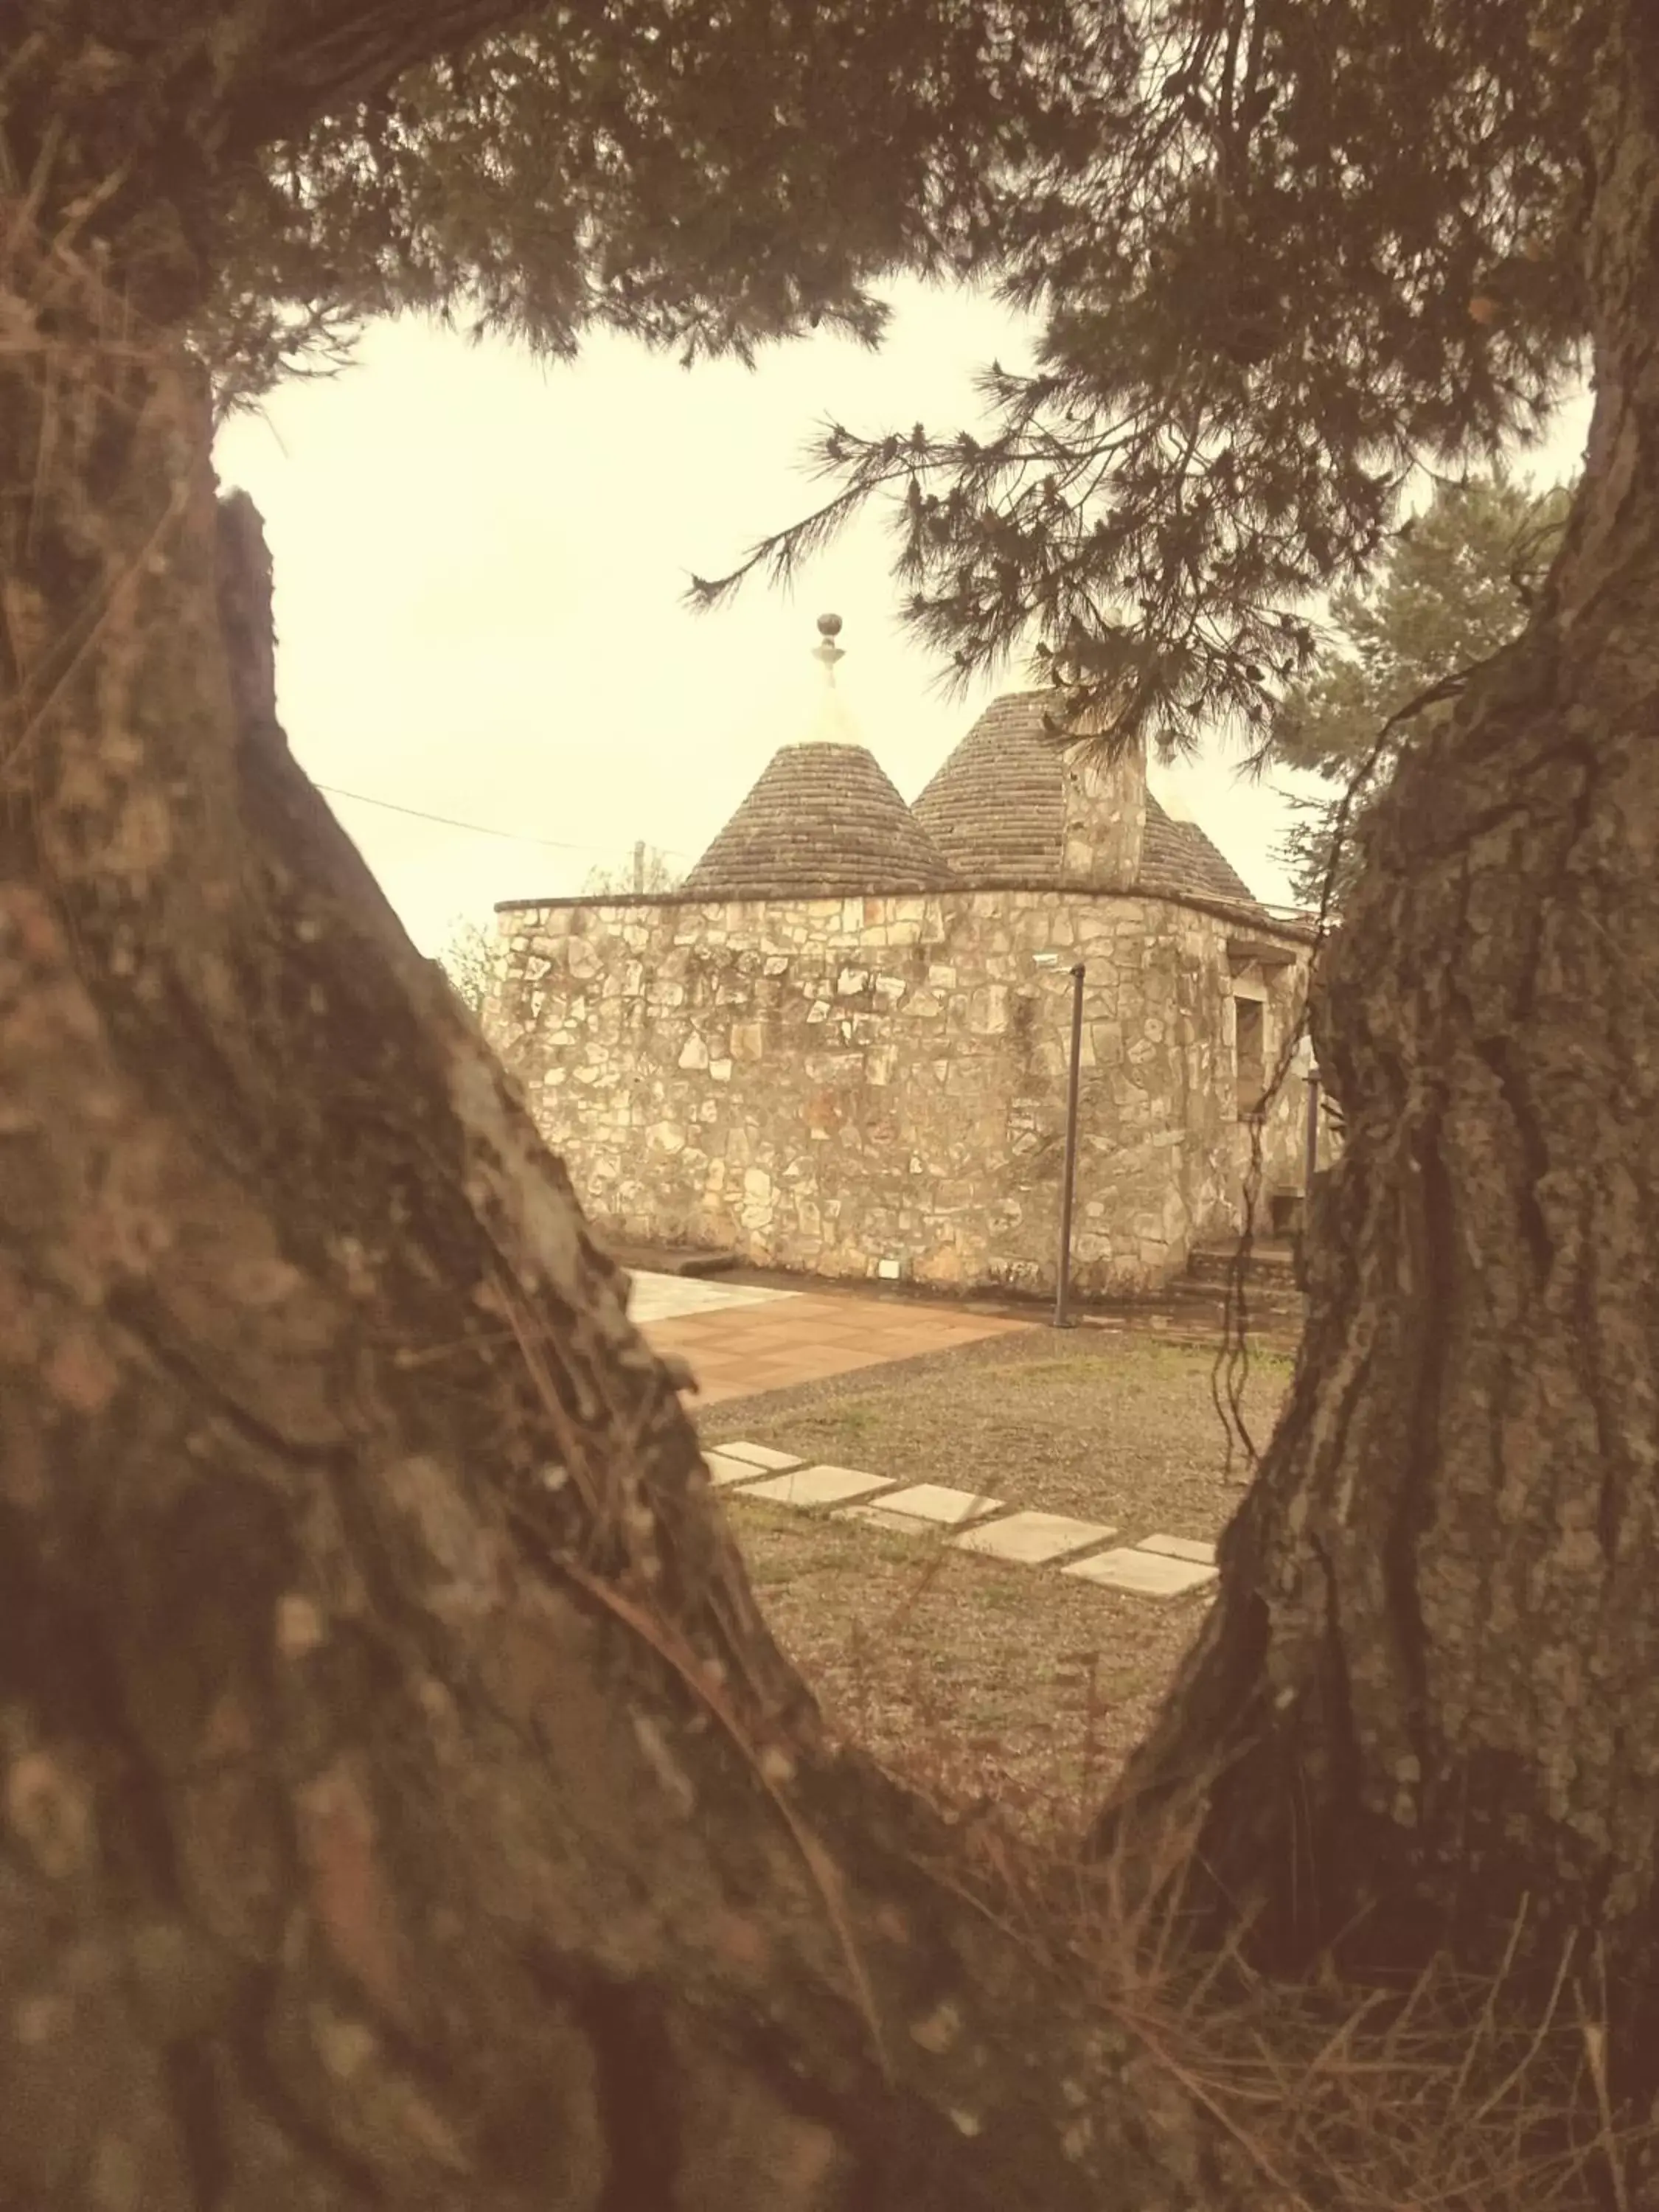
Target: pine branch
point(322, 56)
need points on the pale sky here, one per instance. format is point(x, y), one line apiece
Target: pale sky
point(479, 565)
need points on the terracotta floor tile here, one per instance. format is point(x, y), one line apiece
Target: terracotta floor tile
point(739, 1350)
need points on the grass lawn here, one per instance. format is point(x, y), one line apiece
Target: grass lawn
point(975, 1676)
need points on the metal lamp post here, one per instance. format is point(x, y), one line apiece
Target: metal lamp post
point(1069, 1176)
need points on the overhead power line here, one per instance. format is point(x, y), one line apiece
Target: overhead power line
point(482, 829)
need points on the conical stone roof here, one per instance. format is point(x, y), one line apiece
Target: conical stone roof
point(996, 810)
point(824, 820)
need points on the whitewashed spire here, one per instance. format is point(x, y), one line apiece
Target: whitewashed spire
point(832, 725)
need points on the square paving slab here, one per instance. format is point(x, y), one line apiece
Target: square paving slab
point(896, 1524)
point(723, 1468)
point(762, 1456)
point(934, 1503)
point(1033, 1539)
point(818, 1486)
point(668, 1297)
point(1180, 1547)
point(1144, 1573)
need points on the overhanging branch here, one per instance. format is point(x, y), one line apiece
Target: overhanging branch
point(331, 54)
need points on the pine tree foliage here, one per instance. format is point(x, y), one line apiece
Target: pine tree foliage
point(1311, 249)
point(1281, 253)
point(705, 177)
point(1454, 585)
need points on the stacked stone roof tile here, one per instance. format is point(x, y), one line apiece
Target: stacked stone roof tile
point(1177, 856)
point(823, 821)
point(996, 811)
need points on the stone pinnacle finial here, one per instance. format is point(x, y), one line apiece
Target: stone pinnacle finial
point(827, 653)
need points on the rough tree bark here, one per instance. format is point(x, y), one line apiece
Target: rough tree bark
point(1428, 1696)
point(401, 1801)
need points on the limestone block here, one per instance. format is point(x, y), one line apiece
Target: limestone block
point(694, 1053)
point(778, 964)
point(925, 1005)
point(988, 1008)
point(818, 1010)
point(720, 1070)
point(748, 1039)
point(941, 975)
point(851, 981)
point(944, 1265)
point(891, 987)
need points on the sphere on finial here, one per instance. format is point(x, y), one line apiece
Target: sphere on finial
point(826, 652)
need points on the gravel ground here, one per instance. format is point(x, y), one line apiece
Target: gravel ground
point(975, 1676)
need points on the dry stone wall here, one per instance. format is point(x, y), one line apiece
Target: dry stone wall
point(831, 1084)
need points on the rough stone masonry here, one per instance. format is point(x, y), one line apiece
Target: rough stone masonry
point(832, 1050)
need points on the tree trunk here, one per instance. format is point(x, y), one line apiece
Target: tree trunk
point(1427, 1701)
point(401, 1801)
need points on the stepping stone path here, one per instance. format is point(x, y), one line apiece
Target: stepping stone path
point(1149, 1574)
point(1034, 1538)
point(762, 1456)
point(1157, 1566)
point(1179, 1547)
point(819, 1485)
point(929, 1503)
point(724, 1467)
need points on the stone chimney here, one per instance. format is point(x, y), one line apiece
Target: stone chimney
point(1104, 817)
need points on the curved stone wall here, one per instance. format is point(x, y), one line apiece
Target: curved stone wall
point(829, 1084)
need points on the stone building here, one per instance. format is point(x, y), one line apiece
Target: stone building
point(835, 1049)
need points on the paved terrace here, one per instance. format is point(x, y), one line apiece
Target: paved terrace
point(740, 1339)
